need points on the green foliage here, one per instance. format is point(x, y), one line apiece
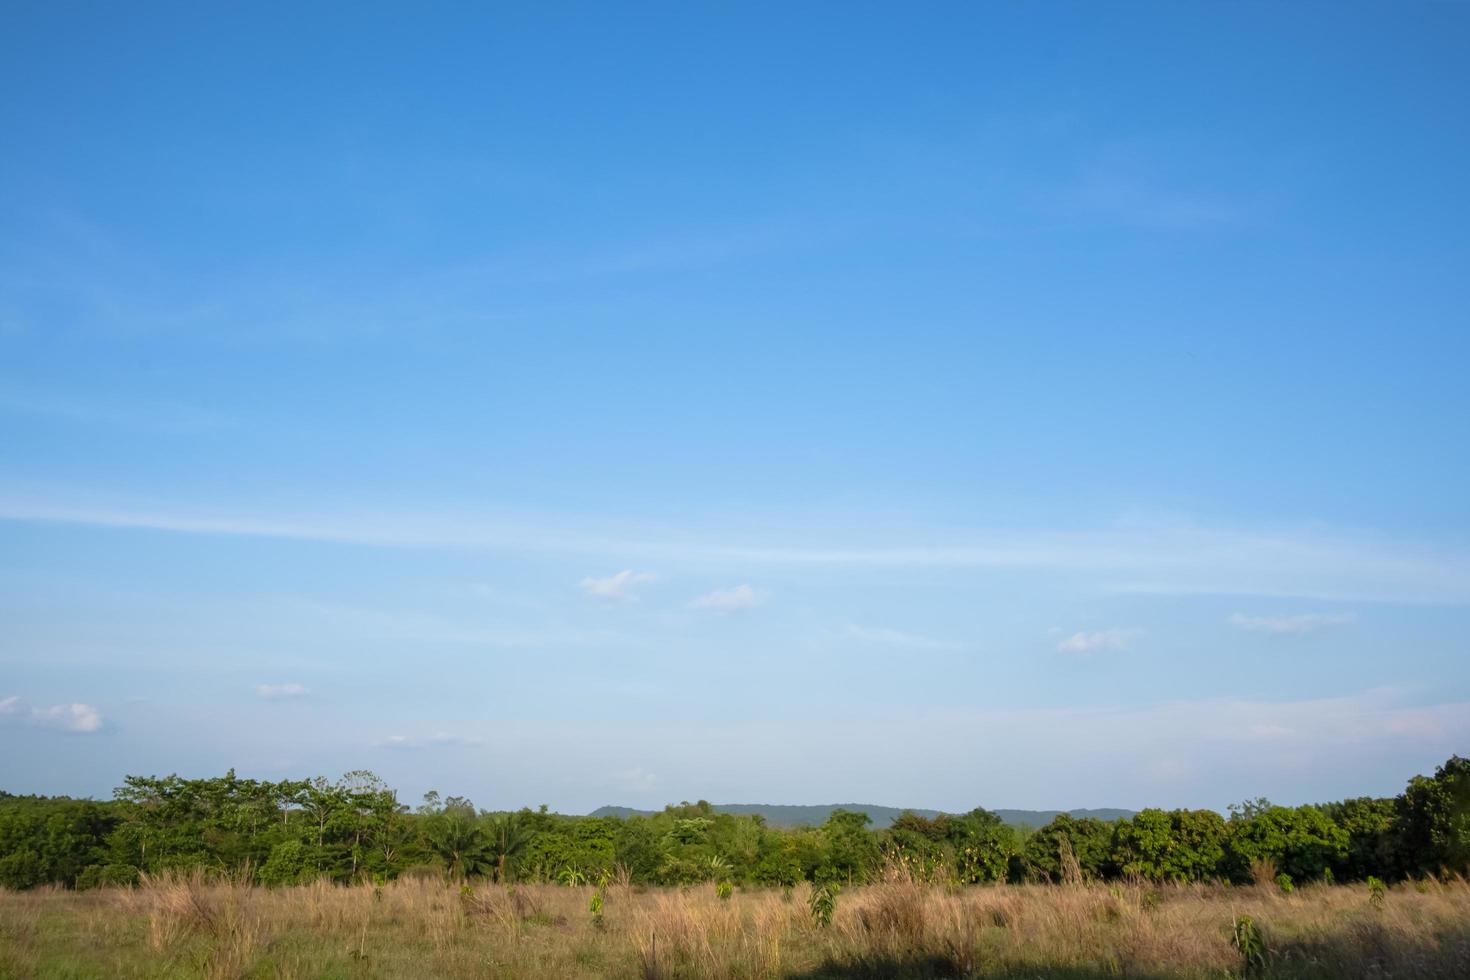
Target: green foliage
point(104, 875)
point(724, 890)
point(850, 850)
point(823, 903)
point(966, 848)
point(506, 839)
point(1369, 826)
point(1088, 841)
point(1303, 841)
point(44, 840)
point(1178, 845)
point(1250, 943)
point(983, 846)
point(454, 835)
point(1377, 891)
point(354, 829)
point(1432, 820)
point(1283, 881)
point(595, 907)
point(550, 844)
point(287, 865)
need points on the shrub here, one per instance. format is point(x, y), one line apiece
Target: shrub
point(100, 875)
point(1250, 943)
point(595, 907)
point(1376, 891)
point(823, 903)
point(285, 866)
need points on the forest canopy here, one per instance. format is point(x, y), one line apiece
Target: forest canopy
point(356, 829)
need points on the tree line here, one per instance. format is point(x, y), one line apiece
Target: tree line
point(355, 829)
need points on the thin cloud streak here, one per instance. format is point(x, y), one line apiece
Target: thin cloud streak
point(884, 636)
point(1217, 750)
point(276, 692)
point(1085, 643)
point(436, 740)
point(619, 587)
point(738, 599)
point(1291, 625)
point(1178, 560)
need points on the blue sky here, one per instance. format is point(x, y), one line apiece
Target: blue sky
point(1022, 405)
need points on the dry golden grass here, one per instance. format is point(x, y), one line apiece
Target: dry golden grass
point(424, 929)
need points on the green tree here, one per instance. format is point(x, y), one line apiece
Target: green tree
point(506, 836)
point(1369, 826)
point(1088, 840)
point(287, 865)
point(1177, 845)
point(1433, 817)
point(850, 851)
point(1302, 841)
point(454, 835)
point(983, 845)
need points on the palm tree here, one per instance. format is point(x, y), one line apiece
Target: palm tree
point(454, 835)
point(507, 836)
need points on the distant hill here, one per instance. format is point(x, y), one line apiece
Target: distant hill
point(882, 816)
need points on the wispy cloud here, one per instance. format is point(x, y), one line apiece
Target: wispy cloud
point(634, 780)
point(1291, 625)
point(1084, 642)
point(738, 599)
point(122, 291)
point(436, 740)
point(881, 636)
point(1217, 750)
point(411, 626)
point(276, 692)
point(74, 717)
point(619, 587)
point(1162, 559)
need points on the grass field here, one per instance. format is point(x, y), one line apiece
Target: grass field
point(426, 929)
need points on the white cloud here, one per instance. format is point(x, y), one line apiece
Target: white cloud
point(273, 692)
point(882, 636)
point(1291, 625)
point(618, 587)
point(635, 780)
point(740, 598)
point(1082, 642)
point(436, 740)
point(75, 717)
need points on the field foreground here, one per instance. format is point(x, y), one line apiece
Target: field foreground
point(424, 929)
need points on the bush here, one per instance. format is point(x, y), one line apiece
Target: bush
point(101, 875)
point(285, 866)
